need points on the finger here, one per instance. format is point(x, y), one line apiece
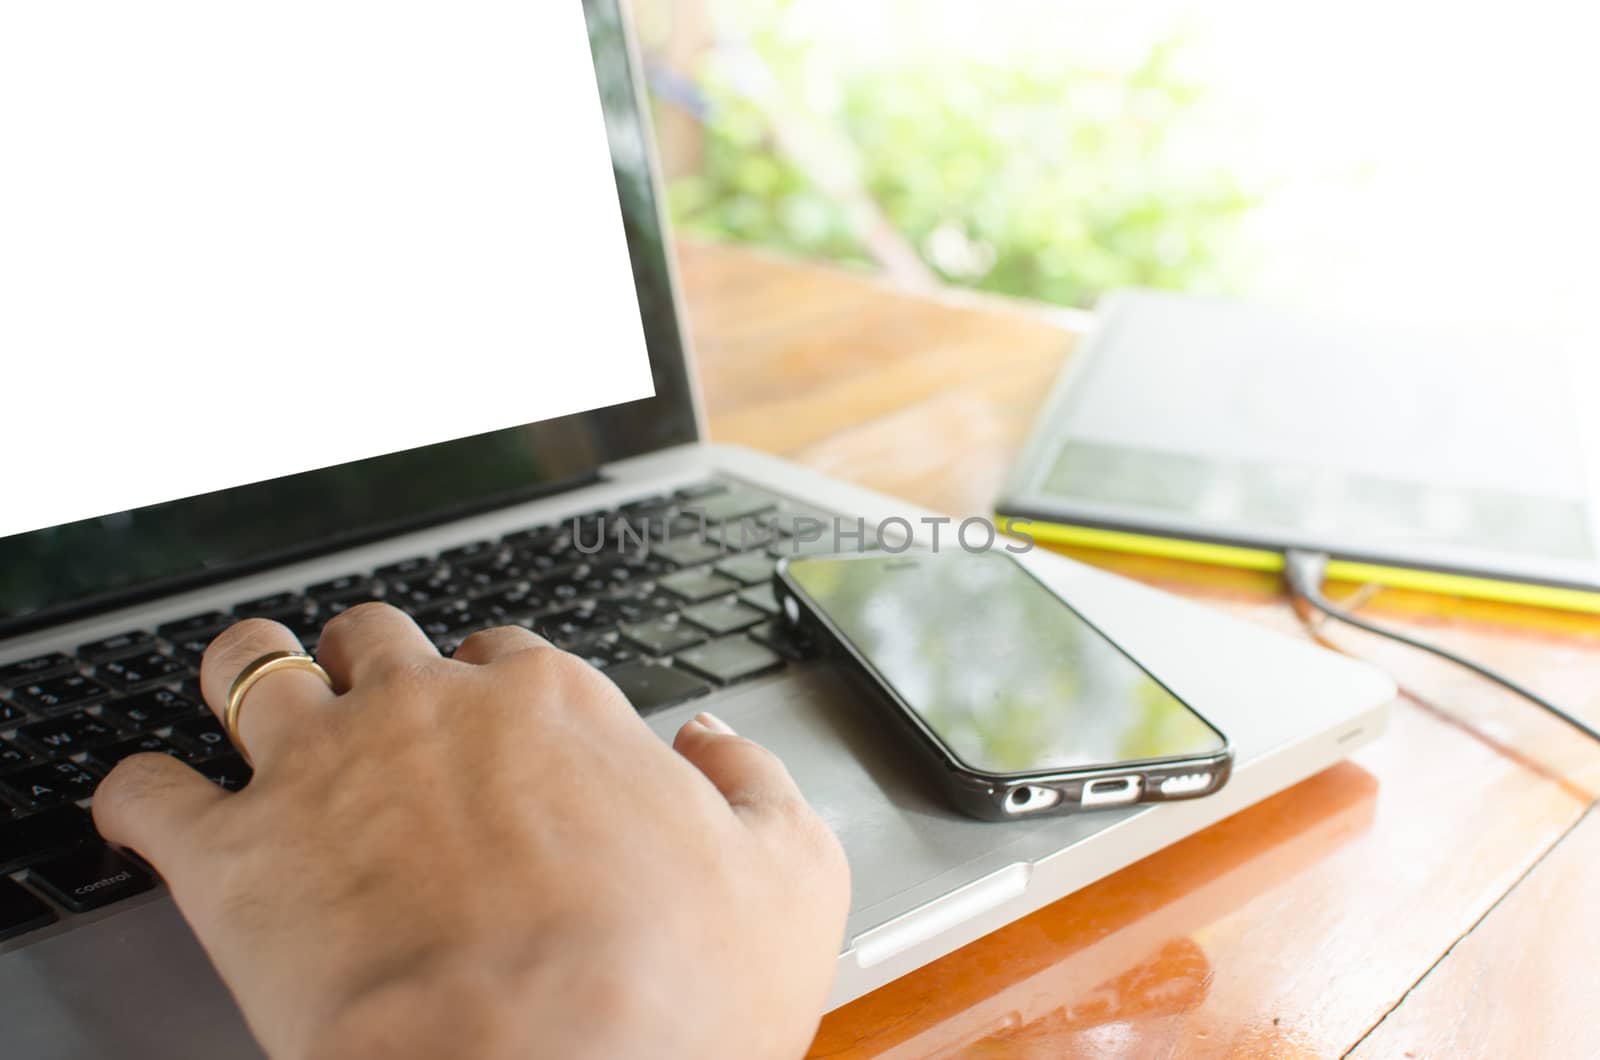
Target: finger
point(749, 776)
point(487, 645)
point(151, 803)
point(368, 639)
point(280, 705)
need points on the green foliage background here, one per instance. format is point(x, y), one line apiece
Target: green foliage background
point(1058, 182)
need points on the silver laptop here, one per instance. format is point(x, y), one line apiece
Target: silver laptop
point(101, 623)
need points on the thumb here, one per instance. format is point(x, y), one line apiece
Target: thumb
point(151, 803)
point(749, 776)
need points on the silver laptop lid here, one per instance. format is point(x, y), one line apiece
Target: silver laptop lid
point(76, 568)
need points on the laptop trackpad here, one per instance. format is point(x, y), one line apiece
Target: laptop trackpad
point(906, 845)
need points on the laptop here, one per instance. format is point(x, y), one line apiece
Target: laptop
point(102, 622)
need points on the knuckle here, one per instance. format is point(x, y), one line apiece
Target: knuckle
point(485, 639)
point(579, 678)
point(796, 817)
point(360, 613)
point(400, 681)
point(135, 777)
point(810, 839)
point(762, 758)
point(556, 680)
point(544, 665)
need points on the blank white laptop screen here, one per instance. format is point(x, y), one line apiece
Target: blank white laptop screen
point(277, 236)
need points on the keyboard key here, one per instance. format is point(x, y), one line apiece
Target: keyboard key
point(483, 577)
point(338, 607)
point(546, 566)
point(786, 640)
point(476, 551)
point(14, 757)
point(109, 755)
point(534, 538)
point(90, 877)
point(749, 568)
point(663, 636)
point(762, 598)
point(277, 606)
point(191, 650)
point(406, 568)
point(32, 837)
point(687, 525)
point(207, 625)
point(35, 669)
point(59, 737)
point(305, 625)
point(697, 585)
point(152, 709)
point(741, 535)
point(699, 490)
point(730, 660)
point(731, 504)
point(10, 712)
point(436, 588)
point(638, 566)
point(650, 687)
point(565, 628)
point(643, 605)
point(228, 772)
point(795, 519)
point(511, 602)
point(589, 527)
point(457, 617)
point(607, 651)
point(51, 784)
point(630, 532)
point(20, 911)
point(138, 671)
point(578, 583)
point(201, 737)
point(688, 551)
point(99, 651)
point(720, 617)
point(346, 589)
point(60, 693)
point(616, 574)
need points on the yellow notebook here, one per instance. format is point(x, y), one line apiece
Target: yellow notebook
point(1214, 431)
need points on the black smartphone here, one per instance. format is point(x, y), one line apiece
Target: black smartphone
point(1017, 702)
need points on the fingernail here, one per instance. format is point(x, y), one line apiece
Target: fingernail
point(715, 724)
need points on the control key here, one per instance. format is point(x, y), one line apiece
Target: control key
point(90, 877)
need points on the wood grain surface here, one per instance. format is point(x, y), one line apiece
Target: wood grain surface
point(1425, 898)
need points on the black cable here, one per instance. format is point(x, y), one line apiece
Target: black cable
point(1304, 572)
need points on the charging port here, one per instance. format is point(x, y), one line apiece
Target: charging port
point(1031, 799)
point(1112, 791)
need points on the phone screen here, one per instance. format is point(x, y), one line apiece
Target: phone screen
point(1006, 675)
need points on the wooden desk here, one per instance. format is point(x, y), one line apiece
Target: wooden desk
point(1431, 897)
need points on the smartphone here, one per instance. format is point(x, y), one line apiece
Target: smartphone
point(1015, 701)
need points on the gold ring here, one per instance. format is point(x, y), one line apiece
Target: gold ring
point(271, 662)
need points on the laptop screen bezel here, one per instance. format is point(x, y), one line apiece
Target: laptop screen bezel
point(569, 451)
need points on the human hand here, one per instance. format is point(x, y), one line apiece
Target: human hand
point(487, 856)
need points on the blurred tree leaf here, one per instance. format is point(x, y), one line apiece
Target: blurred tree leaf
point(1054, 183)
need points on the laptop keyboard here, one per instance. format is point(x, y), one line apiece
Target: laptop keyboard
point(691, 613)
